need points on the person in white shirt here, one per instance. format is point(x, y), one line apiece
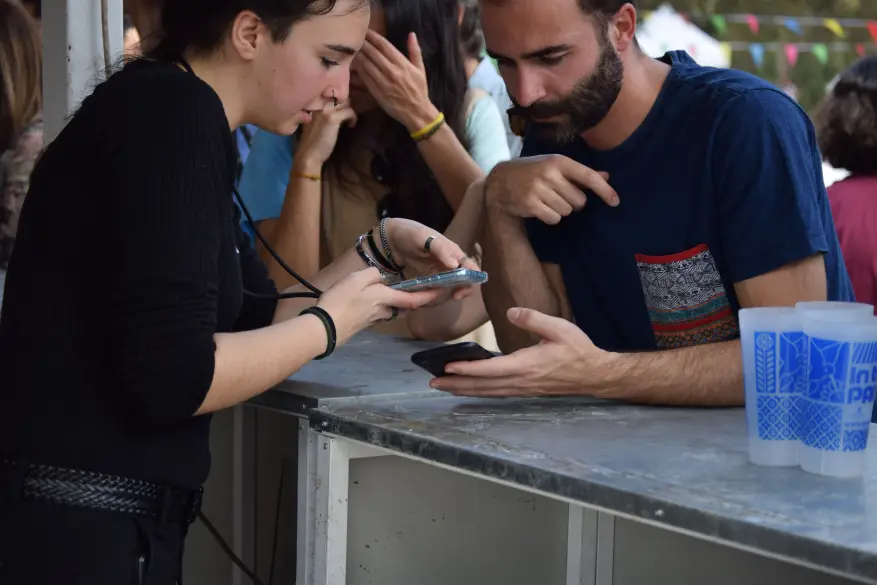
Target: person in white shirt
point(480, 70)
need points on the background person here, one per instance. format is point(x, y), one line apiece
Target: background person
point(480, 70)
point(847, 128)
point(21, 117)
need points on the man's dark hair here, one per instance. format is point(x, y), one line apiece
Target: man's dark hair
point(846, 121)
point(201, 25)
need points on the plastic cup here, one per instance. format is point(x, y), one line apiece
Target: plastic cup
point(839, 398)
point(812, 306)
point(774, 377)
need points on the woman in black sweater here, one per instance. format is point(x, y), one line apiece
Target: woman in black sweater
point(135, 306)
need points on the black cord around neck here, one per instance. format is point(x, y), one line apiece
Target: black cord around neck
point(314, 293)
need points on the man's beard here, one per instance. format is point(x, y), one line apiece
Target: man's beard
point(585, 107)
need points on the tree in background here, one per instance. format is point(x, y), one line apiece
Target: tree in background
point(809, 74)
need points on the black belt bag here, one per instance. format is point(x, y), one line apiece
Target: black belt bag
point(97, 491)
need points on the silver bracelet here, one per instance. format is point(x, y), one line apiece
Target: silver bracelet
point(385, 243)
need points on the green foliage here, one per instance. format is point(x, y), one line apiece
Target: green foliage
point(809, 74)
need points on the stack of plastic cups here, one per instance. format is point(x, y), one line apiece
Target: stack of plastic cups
point(776, 360)
point(774, 366)
point(839, 397)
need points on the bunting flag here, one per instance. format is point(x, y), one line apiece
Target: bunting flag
point(834, 26)
point(860, 49)
point(872, 28)
point(793, 26)
point(792, 54)
point(820, 51)
point(757, 52)
point(728, 51)
point(752, 21)
point(720, 24)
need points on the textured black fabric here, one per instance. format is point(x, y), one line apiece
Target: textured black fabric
point(129, 259)
point(45, 544)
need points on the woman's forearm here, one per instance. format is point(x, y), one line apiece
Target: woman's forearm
point(348, 263)
point(451, 165)
point(296, 234)
point(250, 362)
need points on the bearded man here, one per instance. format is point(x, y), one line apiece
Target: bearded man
point(654, 200)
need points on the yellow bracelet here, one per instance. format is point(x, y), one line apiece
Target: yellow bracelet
point(429, 128)
point(305, 176)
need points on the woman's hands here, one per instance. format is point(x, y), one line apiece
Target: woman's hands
point(397, 83)
point(319, 137)
point(408, 244)
point(362, 299)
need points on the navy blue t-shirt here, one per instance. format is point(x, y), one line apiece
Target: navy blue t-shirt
point(721, 183)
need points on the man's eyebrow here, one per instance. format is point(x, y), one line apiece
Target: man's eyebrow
point(343, 49)
point(538, 54)
point(546, 52)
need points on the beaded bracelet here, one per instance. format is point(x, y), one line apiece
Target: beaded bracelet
point(388, 252)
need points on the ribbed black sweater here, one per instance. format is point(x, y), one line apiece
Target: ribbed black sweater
point(128, 260)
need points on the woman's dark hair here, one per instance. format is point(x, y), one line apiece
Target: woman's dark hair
point(846, 122)
point(413, 190)
point(471, 37)
point(201, 25)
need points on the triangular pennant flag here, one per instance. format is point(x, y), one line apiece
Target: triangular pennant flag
point(647, 14)
point(720, 24)
point(793, 26)
point(872, 28)
point(752, 21)
point(757, 52)
point(792, 54)
point(860, 49)
point(834, 26)
point(821, 53)
point(728, 52)
point(692, 50)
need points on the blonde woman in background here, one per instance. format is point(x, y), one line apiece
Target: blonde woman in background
point(21, 122)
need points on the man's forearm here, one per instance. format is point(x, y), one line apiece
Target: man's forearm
point(516, 279)
point(704, 375)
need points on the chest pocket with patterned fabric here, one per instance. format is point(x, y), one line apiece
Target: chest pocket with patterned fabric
point(686, 299)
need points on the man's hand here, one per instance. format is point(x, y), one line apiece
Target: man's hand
point(565, 362)
point(546, 187)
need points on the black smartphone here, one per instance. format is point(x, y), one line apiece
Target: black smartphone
point(435, 360)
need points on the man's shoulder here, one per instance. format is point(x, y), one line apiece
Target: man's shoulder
point(732, 91)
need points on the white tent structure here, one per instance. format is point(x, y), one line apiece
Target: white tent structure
point(666, 30)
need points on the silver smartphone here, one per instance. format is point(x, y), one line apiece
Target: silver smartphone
point(452, 279)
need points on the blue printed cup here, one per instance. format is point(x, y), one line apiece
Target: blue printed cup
point(831, 307)
point(774, 377)
point(839, 399)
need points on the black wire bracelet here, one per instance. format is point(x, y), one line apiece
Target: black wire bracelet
point(376, 253)
point(328, 323)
